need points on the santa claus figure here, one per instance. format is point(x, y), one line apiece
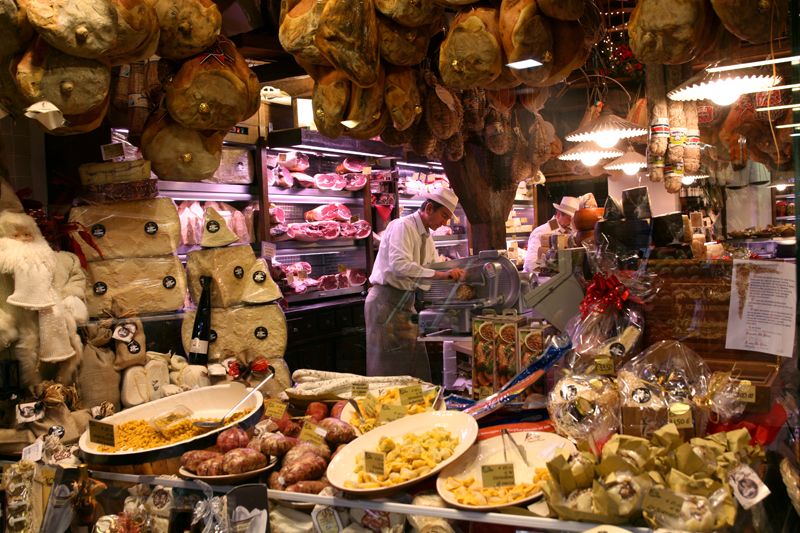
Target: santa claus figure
point(41, 298)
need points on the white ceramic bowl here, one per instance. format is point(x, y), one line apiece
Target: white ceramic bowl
point(207, 402)
point(539, 447)
point(342, 467)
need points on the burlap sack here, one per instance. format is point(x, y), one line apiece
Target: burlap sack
point(132, 351)
point(136, 286)
point(245, 332)
point(58, 401)
point(98, 381)
point(141, 228)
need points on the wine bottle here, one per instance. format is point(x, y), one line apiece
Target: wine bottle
point(198, 348)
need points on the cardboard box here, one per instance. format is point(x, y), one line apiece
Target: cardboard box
point(506, 348)
point(483, 334)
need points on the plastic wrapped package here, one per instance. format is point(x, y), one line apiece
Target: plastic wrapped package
point(668, 382)
point(227, 267)
point(698, 513)
point(136, 286)
point(245, 332)
point(141, 228)
point(728, 397)
point(585, 408)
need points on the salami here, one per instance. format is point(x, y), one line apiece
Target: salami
point(232, 438)
point(243, 460)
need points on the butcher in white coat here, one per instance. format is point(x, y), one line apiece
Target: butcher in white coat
point(561, 224)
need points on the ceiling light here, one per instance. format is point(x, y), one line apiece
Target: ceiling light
point(525, 63)
point(689, 179)
point(722, 88)
point(607, 130)
point(589, 153)
point(630, 163)
point(781, 187)
point(726, 68)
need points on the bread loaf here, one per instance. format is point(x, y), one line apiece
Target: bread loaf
point(402, 46)
point(298, 29)
point(410, 13)
point(14, 27)
point(77, 27)
point(136, 286)
point(187, 26)
point(226, 266)
point(330, 101)
point(138, 32)
point(74, 85)
point(141, 228)
point(246, 332)
point(178, 153)
point(214, 90)
point(402, 98)
point(471, 54)
point(348, 37)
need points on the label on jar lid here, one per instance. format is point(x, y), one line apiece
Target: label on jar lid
point(359, 390)
point(374, 463)
point(499, 475)
point(313, 433)
point(411, 395)
point(680, 414)
point(604, 366)
point(661, 500)
point(391, 412)
point(274, 409)
point(746, 392)
point(102, 433)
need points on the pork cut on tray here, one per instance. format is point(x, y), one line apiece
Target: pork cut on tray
point(338, 212)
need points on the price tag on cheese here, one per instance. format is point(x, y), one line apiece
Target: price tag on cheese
point(102, 433)
point(359, 390)
point(411, 395)
point(680, 414)
point(747, 392)
point(374, 463)
point(659, 499)
point(500, 475)
point(111, 151)
point(313, 433)
point(604, 366)
point(268, 249)
point(391, 412)
point(370, 405)
point(274, 409)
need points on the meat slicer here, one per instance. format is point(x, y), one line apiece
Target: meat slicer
point(492, 282)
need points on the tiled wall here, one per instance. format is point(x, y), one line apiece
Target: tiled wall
point(22, 154)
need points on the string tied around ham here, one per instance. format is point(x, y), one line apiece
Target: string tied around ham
point(604, 292)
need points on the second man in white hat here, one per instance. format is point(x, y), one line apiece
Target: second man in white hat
point(561, 224)
point(399, 270)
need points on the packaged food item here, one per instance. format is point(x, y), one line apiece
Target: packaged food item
point(483, 337)
point(506, 348)
point(135, 286)
point(668, 382)
point(585, 408)
point(141, 228)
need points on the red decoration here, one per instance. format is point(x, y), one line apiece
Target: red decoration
point(602, 293)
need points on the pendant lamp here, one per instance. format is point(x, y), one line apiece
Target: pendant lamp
point(723, 88)
point(630, 163)
point(589, 153)
point(607, 130)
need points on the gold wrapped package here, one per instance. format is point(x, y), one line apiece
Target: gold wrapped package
point(135, 286)
point(141, 228)
point(245, 332)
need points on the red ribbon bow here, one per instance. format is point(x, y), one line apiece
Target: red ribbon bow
point(602, 293)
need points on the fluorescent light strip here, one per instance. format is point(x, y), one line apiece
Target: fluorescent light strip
point(525, 63)
point(792, 86)
point(784, 126)
point(297, 199)
point(794, 135)
point(725, 68)
point(777, 107)
point(317, 149)
point(436, 166)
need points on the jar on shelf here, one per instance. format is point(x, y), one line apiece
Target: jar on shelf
point(790, 209)
point(780, 209)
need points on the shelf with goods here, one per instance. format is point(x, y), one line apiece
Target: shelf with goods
point(521, 222)
point(783, 204)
